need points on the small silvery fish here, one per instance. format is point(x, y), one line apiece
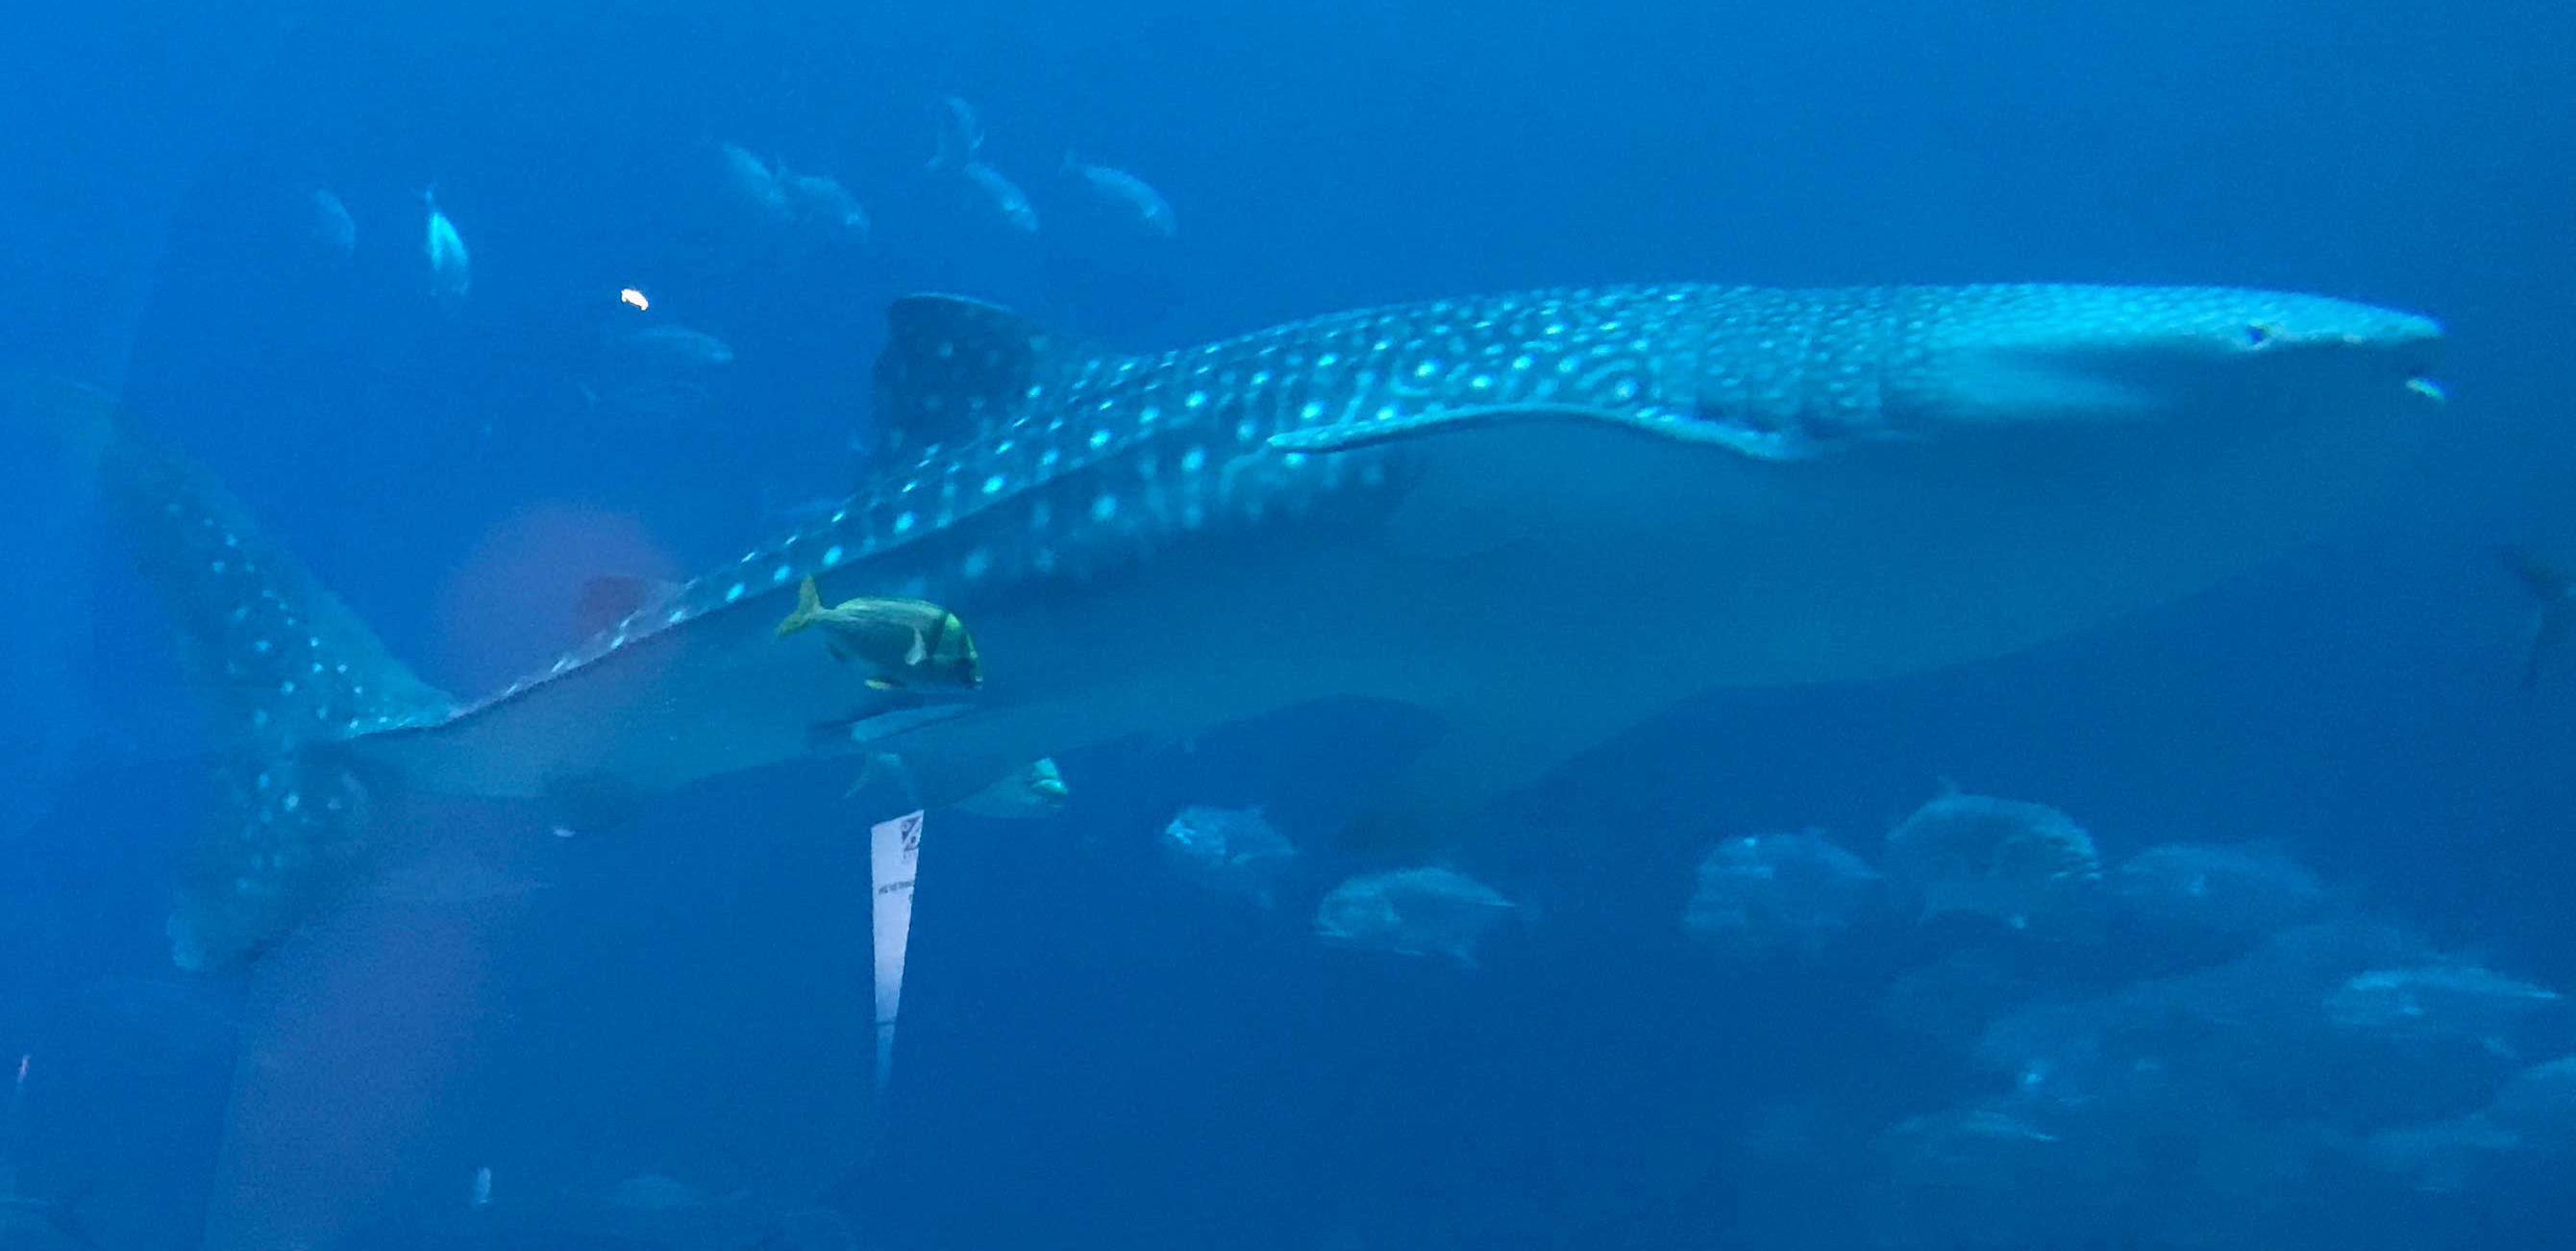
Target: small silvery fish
point(1234, 851)
point(1035, 791)
point(825, 200)
point(2007, 860)
point(751, 178)
point(450, 272)
point(1128, 194)
point(1413, 912)
point(332, 224)
point(676, 345)
point(959, 134)
point(1004, 196)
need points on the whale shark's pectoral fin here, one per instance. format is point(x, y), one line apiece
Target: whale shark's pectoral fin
point(1461, 455)
point(1352, 436)
point(1573, 465)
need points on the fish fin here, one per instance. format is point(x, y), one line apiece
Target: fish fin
point(920, 649)
point(955, 369)
point(885, 787)
point(1640, 418)
point(959, 134)
point(2555, 588)
point(294, 671)
point(809, 605)
point(1469, 455)
point(870, 774)
point(881, 682)
point(606, 600)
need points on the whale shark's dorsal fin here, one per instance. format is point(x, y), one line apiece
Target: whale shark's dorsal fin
point(956, 369)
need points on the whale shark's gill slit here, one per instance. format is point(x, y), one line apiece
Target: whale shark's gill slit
point(294, 673)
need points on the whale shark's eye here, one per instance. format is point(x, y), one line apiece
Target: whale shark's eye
point(2255, 334)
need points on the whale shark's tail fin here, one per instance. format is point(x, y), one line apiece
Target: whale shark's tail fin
point(291, 671)
point(2555, 588)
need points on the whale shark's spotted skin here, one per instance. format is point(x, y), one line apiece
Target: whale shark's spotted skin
point(1166, 444)
point(1169, 444)
point(1033, 468)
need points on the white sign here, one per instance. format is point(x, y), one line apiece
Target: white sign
point(894, 848)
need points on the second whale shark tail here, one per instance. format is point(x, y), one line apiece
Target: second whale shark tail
point(291, 671)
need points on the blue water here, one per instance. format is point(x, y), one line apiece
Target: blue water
point(1094, 1054)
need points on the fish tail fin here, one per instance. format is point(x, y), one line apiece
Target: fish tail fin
point(809, 605)
point(2555, 589)
point(292, 674)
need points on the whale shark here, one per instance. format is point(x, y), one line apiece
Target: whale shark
point(1540, 517)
